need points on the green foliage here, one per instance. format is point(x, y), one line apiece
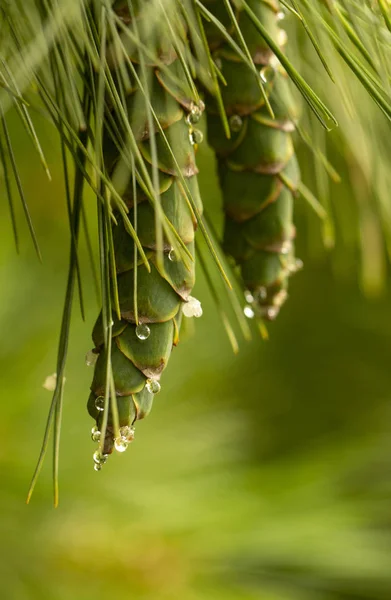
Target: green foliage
point(103, 74)
point(258, 170)
point(258, 476)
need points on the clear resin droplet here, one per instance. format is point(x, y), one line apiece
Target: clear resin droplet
point(248, 297)
point(192, 308)
point(121, 444)
point(100, 403)
point(97, 467)
point(99, 458)
point(143, 331)
point(127, 433)
point(95, 434)
point(172, 256)
point(91, 358)
point(248, 312)
point(153, 386)
point(235, 123)
point(196, 137)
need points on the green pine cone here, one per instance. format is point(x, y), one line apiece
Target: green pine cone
point(258, 171)
point(142, 340)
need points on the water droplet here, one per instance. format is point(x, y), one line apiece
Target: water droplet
point(50, 382)
point(172, 256)
point(236, 123)
point(295, 266)
point(121, 444)
point(192, 308)
point(248, 312)
point(153, 386)
point(95, 434)
point(272, 312)
point(100, 403)
point(127, 432)
point(299, 265)
point(274, 62)
point(97, 467)
point(282, 37)
point(280, 16)
point(143, 331)
point(261, 293)
point(269, 312)
point(195, 113)
point(99, 458)
point(91, 358)
point(280, 298)
point(219, 63)
point(196, 136)
point(286, 247)
point(267, 74)
point(249, 297)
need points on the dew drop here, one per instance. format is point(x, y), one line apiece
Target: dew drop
point(280, 16)
point(153, 386)
point(172, 256)
point(100, 403)
point(261, 293)
point(95, 434)
point(282, 37)
point(267, 74)
point(143, 331)
point(274, 63)
point(263, 76)
point(219, 63)
point(127, 432)
point(192, 308)
point(286, 247)
point(270, 312)
point(121, 444)
point(295, 266)
point(91, 358)
point(99, 458)
point(97, 467)
point(248, 312)
point(236, 123)
point(280, 298)
point(195, 113)
point(50, 382)
point(299, 265)
point(249, 297)
point(196, 136)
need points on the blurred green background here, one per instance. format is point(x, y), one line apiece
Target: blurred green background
point(265, 475)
